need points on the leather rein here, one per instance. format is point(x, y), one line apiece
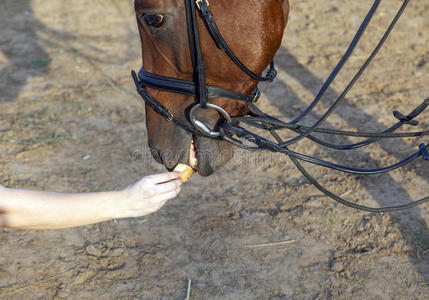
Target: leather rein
point(229, 130)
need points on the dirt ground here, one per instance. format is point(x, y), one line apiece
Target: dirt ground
point(70, 120)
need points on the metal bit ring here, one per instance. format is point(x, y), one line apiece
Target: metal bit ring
point(203, 127)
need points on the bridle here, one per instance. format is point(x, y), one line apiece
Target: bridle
point(198, 88)
point(229, 130)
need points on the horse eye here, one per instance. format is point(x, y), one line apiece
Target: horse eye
point(154, 20)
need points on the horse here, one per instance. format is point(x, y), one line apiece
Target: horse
point(252, 29)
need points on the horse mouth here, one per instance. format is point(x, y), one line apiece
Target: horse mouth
point(203, 155)
point(208, 155)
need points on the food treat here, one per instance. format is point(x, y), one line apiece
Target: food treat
point(185, 170)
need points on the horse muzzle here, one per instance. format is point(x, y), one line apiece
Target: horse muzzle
point(204, 155)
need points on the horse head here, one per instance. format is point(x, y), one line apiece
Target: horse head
point(252, 29)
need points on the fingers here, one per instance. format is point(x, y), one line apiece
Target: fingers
point(149, 194)
point(160, 200)
point(167, 186)
point(164, 177)
point(163, 198)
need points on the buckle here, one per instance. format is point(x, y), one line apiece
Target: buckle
point(199, 2)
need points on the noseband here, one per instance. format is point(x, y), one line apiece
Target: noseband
point(229, 130)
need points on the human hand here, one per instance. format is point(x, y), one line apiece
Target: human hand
point(148, 195)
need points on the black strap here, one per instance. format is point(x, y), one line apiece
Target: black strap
point(152, 102)
point(261, 120)
point(341, 98)
point(351, 204)
point(208, 18)
point(342, 61)
point(162, 110)
point(265, 144)
point(196, 54)
point(185, 87)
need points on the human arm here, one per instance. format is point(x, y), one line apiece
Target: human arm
point(46, 210)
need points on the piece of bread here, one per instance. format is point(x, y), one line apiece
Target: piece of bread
point(185, 170)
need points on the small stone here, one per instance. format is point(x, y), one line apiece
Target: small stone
point(349, 275)
point(337, 266)
point(94, 251)
point(116, 252)
point(82, 277)
point(366, 249)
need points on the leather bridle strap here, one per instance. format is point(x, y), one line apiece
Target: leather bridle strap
point(185, 87)
point(161, 109)
point(196, 54)
point(203, 92)
point(207, 16)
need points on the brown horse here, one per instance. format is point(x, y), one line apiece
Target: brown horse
point(253, 30)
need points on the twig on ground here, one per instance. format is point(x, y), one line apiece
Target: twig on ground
point(188, 292)
point(271, 244)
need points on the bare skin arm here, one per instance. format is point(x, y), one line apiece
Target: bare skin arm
point(45, 210)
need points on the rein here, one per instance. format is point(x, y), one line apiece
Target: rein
point(229, 130)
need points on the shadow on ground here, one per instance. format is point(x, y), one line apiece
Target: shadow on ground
point(22, 55)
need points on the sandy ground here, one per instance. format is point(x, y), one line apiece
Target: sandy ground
point(71, 121)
